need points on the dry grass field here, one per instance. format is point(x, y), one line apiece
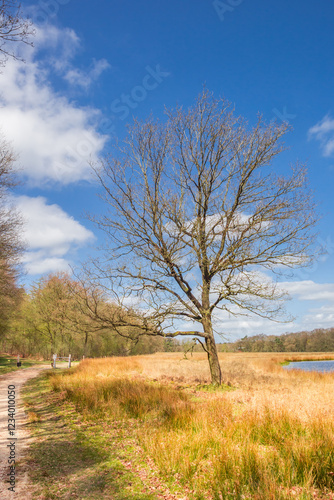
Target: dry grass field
point(268, 433)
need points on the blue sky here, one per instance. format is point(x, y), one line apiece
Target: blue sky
point(95, 67)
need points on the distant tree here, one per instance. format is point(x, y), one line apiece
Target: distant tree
point(57, 315)
point(279, 345)
point(319, 340)
point(194, 217)
point(11, 245)
point(171, 345)
point(10, 296)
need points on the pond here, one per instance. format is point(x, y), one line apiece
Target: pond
point(318, 366)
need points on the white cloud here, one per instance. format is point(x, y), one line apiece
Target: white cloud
point(309, 290)
point(36, 264)
point(55, 138)
point(321, 317)
point(323, 131)
point(64, 44)
point(50, 234)
point(83, 79)
point(216, 225)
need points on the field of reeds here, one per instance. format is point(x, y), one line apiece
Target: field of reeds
point(268, 433)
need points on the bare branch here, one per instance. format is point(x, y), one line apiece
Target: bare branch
point(14, 28)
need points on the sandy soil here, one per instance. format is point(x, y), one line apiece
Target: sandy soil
point(22, 487)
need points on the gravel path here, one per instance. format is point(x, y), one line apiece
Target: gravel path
point(21, 443)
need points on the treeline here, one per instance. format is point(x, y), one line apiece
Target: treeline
point(318, 340)
point(59, 315)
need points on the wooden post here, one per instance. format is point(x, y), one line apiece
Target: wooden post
point(18, 360)
point(69, 361)
point(54, 360)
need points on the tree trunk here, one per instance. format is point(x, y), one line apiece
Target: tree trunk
point(216, 376)
point(85, 344)
point(211, 348)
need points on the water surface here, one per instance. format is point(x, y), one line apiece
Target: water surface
point(318, 366)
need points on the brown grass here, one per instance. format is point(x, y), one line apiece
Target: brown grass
point(272, 437)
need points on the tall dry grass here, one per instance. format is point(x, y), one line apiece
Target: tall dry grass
point(272, 437)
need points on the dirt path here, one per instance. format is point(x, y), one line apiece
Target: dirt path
point(20, 440)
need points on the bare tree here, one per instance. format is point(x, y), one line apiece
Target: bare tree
point(13, 28)
point(10, 221)
point(198, 222)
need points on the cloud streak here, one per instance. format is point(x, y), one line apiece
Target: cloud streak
point(84, 79)
point(309, 290)
point(323, 132)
